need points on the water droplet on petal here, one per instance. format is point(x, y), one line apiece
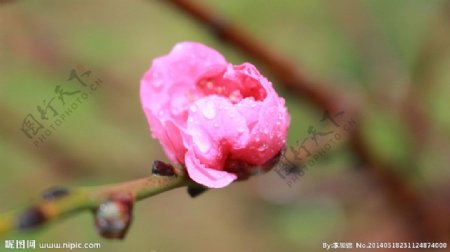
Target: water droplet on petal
point(203, 144)
point(209, 111)
point(157, 83)
point(263, 147)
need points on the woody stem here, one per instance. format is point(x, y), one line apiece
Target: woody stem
point(61, 202)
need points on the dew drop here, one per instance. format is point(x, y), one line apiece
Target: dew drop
point(203, 144)
point(209, 111)
point(157, 83)
point(263, 147)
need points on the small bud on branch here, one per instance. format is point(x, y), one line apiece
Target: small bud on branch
point(112, 205)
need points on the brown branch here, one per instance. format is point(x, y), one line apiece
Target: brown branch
point(285, 72)
point(111, 204)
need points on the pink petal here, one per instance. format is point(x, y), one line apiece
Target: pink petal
point(206, 176)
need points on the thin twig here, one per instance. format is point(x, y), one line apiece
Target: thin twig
point(60, 202)
point(285, 72)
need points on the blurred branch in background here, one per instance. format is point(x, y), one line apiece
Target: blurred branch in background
point(6, 1)
point(410, 204)
point(280, 67)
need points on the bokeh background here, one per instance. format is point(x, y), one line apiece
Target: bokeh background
point(392, 58)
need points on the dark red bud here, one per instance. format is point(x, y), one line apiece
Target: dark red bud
point(194, 191)
point(55, 193)
point(162, 169)
point(31, 218)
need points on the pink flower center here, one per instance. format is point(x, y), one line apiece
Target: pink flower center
point(235, 88)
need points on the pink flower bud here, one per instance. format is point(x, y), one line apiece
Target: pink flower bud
point(222, 122)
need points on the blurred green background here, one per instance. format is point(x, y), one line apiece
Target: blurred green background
point(382, 53)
